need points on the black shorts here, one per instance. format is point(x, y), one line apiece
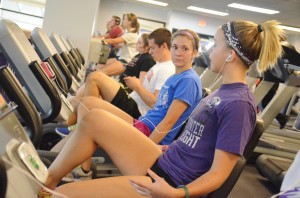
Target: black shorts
point(124, 102)
point(156, 168)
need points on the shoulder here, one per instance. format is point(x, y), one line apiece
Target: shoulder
point(166, 65)
point(189, 80)
point(145, 56)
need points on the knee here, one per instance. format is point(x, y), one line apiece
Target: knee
point(92, 120)
point(94, 77)
point(88, 103)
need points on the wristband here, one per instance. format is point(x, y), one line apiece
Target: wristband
point(186, 191)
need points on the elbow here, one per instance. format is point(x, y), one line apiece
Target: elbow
point(152, 103)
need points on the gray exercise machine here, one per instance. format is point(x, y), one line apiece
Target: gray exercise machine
point(278, 147)
point(26, 64)
point(48, 53)
point(22, 169)
point(67, 57)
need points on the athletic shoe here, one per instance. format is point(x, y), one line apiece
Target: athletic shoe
point(77, 174)
point(64, 131)
point(282, 120)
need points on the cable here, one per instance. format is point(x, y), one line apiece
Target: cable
point(155, 128)
point(34, 179)
point(217, 75)
point(72, 97)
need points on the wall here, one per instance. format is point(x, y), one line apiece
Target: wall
point(79, 27)
point(73, 20)
point(109, 8)
point(294, 39)
point(173, 19)
point(182, 20)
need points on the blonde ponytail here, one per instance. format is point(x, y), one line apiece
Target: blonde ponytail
point(271, 48)
point(260, 41)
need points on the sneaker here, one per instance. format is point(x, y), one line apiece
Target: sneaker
point(64, 131)
point(43, 193)
point(282, 120)
point(77, 174)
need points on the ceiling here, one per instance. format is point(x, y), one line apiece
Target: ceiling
point(289, 9)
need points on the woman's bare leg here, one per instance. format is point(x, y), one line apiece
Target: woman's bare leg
point(105, 187)
point(125, 145)
point(108, 62)
point(113, 69)
point(100, 85)
point(88, 103)
point(80, 91)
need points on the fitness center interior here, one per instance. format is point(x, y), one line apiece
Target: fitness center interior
point(48, 48)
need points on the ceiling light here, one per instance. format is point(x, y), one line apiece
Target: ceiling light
point(154, 2)
point(207, 11)
point(289, 28)
point(252, 8)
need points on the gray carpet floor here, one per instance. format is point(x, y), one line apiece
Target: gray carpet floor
point(252, 185)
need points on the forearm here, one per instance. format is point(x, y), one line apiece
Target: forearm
point(161, 130)
point(205, 184)
point(114, 41)
point(118, 70)
point(175, 110)
point(220, 170)
point(148, 97)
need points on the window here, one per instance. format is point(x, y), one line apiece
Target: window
point(28, 14)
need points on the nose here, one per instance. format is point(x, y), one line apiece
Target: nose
point(178, 51)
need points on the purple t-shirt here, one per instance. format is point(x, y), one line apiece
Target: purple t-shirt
point(223, 120)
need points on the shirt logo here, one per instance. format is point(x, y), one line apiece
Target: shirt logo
point(149, 74)
point(215, 101)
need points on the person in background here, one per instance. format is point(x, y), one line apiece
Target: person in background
point(125, 44)
point(114, 29)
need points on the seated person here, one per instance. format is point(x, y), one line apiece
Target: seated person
point(125, 44)
point(114, 29)
point(210, 145)
point(177, 99)
point(144, 95)
point(141, 63)
point(137, 67)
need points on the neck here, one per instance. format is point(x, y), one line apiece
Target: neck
point(181, 69)
point(129, 29)
point(166, 57)
point(234, 74)
point(144, 52)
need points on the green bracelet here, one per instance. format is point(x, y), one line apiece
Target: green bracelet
point(186, 191)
